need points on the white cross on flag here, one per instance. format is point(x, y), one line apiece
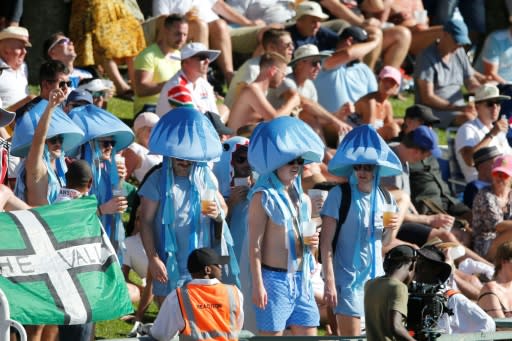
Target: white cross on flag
point(58, 267)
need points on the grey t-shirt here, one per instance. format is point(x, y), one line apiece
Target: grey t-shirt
point(308, 90)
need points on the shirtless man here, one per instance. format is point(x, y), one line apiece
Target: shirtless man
point(252, 106)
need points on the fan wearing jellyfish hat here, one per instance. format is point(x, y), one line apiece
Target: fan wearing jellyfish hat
point(351, 244)
point(181, 208)
point(280, 257)
point(105, 136)
point(42, 136)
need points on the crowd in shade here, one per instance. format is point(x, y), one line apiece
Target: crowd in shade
point(266, 182)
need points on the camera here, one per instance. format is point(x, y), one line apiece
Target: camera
point(426, 304)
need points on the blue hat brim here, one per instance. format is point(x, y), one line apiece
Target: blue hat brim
point(96, 123)
point(60, 124)
point(275, 143)
point(185, 133)
point(363, 145)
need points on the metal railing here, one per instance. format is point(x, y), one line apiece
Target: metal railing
point(6, 323)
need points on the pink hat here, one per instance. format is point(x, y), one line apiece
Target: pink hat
point(145, 119)
point(503, 164)
point(391, 72)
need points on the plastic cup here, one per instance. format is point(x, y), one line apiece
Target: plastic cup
point(119, 159)
point(317, 197)
point(387, 215)
point(308, 231)
point(241, 182)
point(207, 197)
point(421, 16)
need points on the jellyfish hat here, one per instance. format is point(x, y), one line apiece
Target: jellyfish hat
point(185, 133)
point(363, 145)
point(223, 169)
point(97, 123)
point(60, 124)
point(273, 144)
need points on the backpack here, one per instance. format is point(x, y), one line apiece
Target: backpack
point(346, 198)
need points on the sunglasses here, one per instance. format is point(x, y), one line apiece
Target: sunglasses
point(56, 139)
point(202, 56)
point(491, 104)
point(108, 143)
point(366, 168)
point(501, 175)
point(316, 62)
point(61, 41)
point(98, 94)
point(299, 161)
point(240, 159)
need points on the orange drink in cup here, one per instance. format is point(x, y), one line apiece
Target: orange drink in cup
point(207, 198)
point(308, 231)
point(387, 215)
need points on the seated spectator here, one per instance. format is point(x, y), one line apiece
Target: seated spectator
point(100, 89)
point(496, 296)
point(190, 81)
point(252, 107)
point(375, 108)
point(440, 71)
point(154, 65)
point(494, 59)
point(485, 130)
point(274, 40)
point(14, 77)
point(61, 48)
point(137, 158)
point(343, 77)
point(492, 224)
point(483, 160)
point(77, 98)
point(306, 65)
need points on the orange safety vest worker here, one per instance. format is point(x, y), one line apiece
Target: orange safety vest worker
point(210, 312)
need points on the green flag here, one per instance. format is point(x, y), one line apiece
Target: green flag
point(58, 267)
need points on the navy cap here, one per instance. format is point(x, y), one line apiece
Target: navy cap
point(425, 138)
point(421, 112)
point(356, 32)
point(459, 31)
point(199, 258)
point(79, 95)
point(401, 252)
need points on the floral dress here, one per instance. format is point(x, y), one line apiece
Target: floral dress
point(487, 213)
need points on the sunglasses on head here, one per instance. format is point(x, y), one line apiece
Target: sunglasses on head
point(491, 104)
point(202, 56)
point(56, 139)
point(61, 41)
point(108, 143)
point(299, 161)
point(366, 168)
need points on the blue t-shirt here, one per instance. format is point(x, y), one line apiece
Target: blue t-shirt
point(343, 84)
point(325, 38)
point(498, 50)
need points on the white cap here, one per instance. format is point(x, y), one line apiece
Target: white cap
point(145, 119)
point(310, 8)
point(191, 49)
point(97, 84)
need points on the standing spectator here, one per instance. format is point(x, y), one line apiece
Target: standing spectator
point(440, 71)
point(351, 246)
point(487, 129)
point(190, 81)
point(385, 298)
point(182, 309)
point(280, 259)
point(137, 158)
point(14, 79)
point(155, 65)
point(173, 223)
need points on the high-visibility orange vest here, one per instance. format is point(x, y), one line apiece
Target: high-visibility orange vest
point(210, 312)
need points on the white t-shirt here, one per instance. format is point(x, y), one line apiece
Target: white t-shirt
point(469, 135)
point(201, 92)
point(135, 256)
point(203, 7)
point(13, 85)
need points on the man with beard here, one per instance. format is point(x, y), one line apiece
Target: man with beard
point(155, 65)
point(252, 106)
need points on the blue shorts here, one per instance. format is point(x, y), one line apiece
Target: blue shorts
point(350, 301)
point(287, 304)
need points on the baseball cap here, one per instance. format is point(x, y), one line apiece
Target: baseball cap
point(6, 117)
point(459, 31)
point(191, 49)
point(401, 252)
point(15, 32)
point(484, 154)
point(199, 258)
point(307, 51)
point(489, 91)
point(426, 139)
point(145, 119)
point(219, 126)
point(391, 72)
point(97, 84)
point(421, 112)
point(310, 8)
point(503, 164)
point(79, 95)
point(356, 32)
